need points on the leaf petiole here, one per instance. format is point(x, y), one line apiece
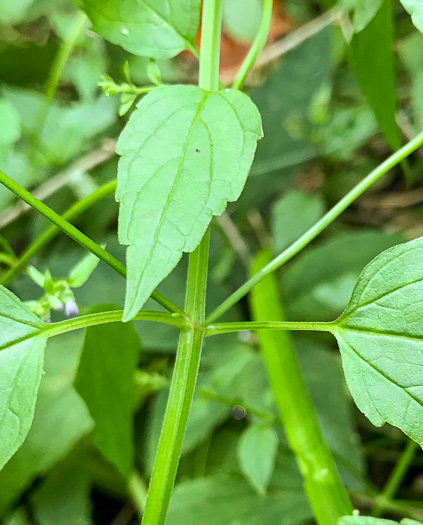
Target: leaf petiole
point(257, 45)
point(227, 328)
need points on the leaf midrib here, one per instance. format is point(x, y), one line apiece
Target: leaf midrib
point(376, 369)
point(375, 331)
point(24, 338)
point(381, 296)
point(172, 190)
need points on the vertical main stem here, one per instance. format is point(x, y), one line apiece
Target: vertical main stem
point(191, 339)
point(323, 486)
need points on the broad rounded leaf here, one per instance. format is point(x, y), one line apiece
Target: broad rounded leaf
point(154, 28)
point(380, 336)
point(185, 154)
point(21, 365)
point(415, 8)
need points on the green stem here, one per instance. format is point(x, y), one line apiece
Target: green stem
point(48, 235)
point(125, 88)
point(77, 236)
point(181, 391)
point(56, 70)
point(210, 45)
point(227, 328)
point(323, 486)
point(85, 321)
point(191, 340)
point(257, 46)
point(396, 478)
point(114, 316)
point(317, 228)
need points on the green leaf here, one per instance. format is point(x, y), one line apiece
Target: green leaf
point(318, 284)
point(293, 215)
point(67, 129)
point(415, 9)
point(19, 517)
point(257, 455)
point(64, 496)
point(229, 500)
point(10, 130)
point(241, 19)
point(372, 60)
point(363, 11)
point(105, 382)
point(13, 12)
point(82, 271)
point(411, 51)
point(154, 28)
point(380, 336)
point(21, 366)
point(185, 154)
point(61, 420)
point(216, 379)
point(284, 99)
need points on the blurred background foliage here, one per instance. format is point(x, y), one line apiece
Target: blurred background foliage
point(87, 459)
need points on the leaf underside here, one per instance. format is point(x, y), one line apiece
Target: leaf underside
point(158, 29)
point(380, 336)
point(185, 154)
point(105, 382)
point(21, 365)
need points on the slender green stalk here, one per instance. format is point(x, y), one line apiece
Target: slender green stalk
point(323, 486)
point(114, 316)
point(77, 236)
point(396, 478)
point(126, 88)
point(85, 321)
point(48, 235)
point(257, 46)
point(181, 391)
point(227, 328)
point(320, 225)
point(56, 70)
point(191, 340)
point(210, 45)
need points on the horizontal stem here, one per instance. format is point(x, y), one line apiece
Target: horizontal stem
point(125, 88)
point(319, 226)
point(114, 316)
point(227, 328)
point(77, 235)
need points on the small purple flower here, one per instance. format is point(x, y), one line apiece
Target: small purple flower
point(71, 308)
